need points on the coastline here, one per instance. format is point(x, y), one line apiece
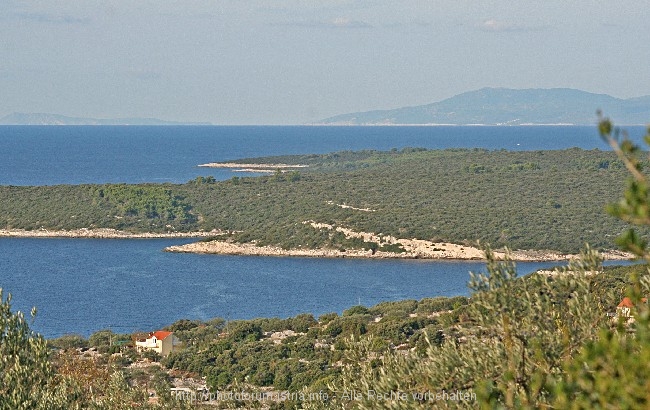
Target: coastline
point(255, 168)
point(102, 233)
point(414, 248)
point(251, 166)
point(444, 251)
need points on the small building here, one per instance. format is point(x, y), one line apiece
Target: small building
point(624, 309)
point(160, 341)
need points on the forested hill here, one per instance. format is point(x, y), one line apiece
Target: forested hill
point(502, 106)
point(526, 200)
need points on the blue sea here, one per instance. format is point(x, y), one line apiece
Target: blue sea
point(85, 285)
point(48, 155)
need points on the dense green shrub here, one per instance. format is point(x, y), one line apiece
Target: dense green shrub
point(538, 200)
point(68, 342)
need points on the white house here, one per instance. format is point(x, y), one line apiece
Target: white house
point(159, 341)
point(624, 309)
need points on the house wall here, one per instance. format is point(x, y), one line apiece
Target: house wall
point(149, 345)
point(162, 347)
point(623, 311)
point(166, 346)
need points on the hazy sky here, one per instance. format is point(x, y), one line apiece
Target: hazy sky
point(292, 62)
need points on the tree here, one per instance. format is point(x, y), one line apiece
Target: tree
point(101, 338)
point(242, 330)
point(26, 375)
point(615, 367)
point(70, 341)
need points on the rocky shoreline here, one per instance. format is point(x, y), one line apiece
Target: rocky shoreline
point(444, 251)
point(102, 233)
point(413, 248)
point(251, 166)
point(257, 168)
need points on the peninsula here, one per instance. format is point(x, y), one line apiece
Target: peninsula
point(408, 203)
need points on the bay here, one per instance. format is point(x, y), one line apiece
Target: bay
point(84, 285)
point(127, 285)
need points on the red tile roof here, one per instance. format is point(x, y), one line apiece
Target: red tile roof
point(161, 334)
point(627, 302)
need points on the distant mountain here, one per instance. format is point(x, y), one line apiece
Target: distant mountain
point(502, 106)
point(55, 119)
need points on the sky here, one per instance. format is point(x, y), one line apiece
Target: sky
point(293, 62)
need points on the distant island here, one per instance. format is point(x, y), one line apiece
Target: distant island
point(18, 118)
point(503, 106)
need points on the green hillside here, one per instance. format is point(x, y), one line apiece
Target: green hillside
point(526, 200)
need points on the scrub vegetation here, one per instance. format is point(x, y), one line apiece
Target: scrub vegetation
point(544, 200)
point(516, 340)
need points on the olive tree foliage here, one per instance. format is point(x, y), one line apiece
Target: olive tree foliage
point(26, 375)
point(532, 325)
point(613, 371)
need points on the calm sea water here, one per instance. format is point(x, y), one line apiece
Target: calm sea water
point(33, 155)
point(84, 285)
